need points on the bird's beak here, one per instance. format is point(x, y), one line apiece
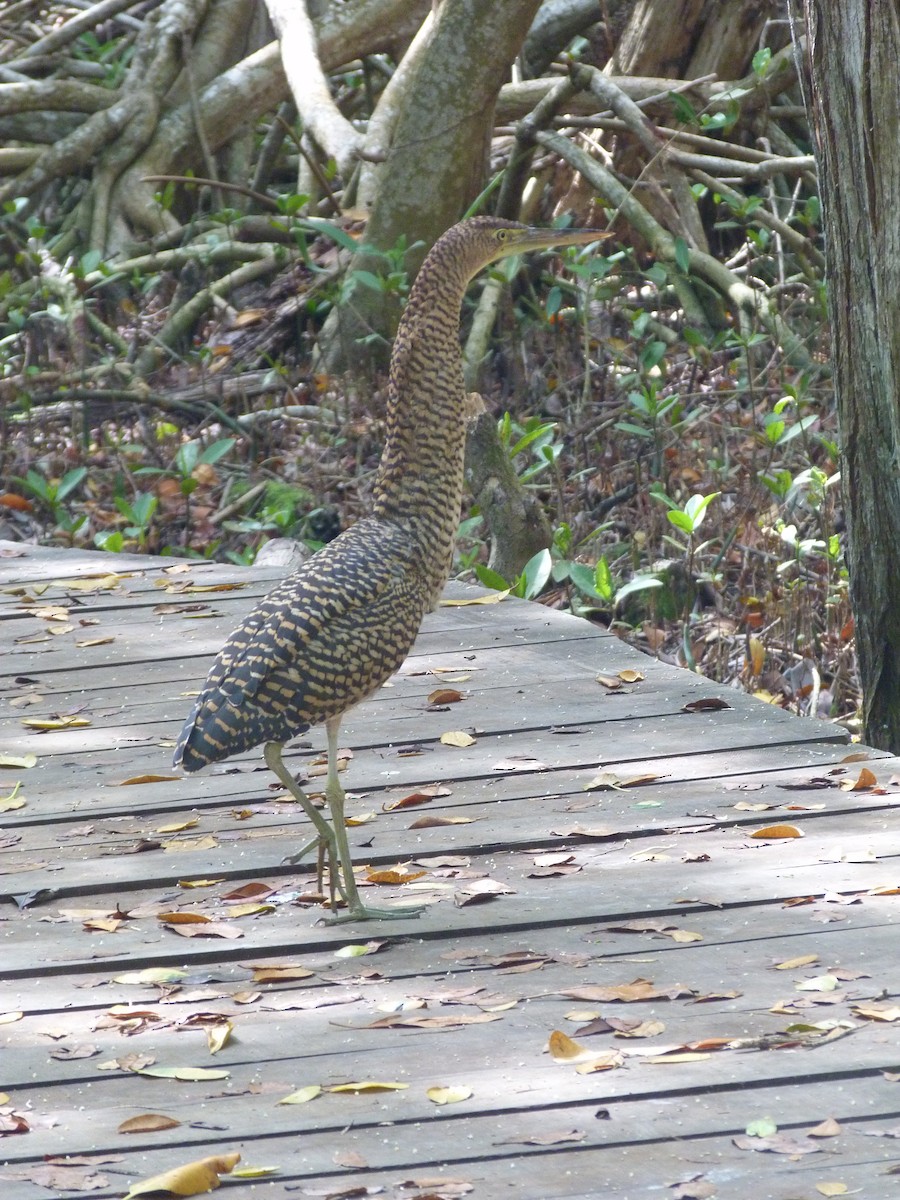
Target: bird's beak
point(543, 239)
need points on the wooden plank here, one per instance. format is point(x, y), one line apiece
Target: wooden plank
point(615, 882)
point(646, 1145)
point(677, 851)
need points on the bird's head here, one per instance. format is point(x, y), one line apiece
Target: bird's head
point(486, 239)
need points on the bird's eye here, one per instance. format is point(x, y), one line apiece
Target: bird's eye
point(502, 235)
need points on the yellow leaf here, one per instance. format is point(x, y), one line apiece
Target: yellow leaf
point(151, 975)
point(756, 659)
point(254, 1172)
point(249, 910)
point(97, 641)
point(103, 584)
point(192, 1179)
point(563, 1048)
point(302, 1095)
point(18, 760)
point(458, 738)
point(7, 1018)
point(183, 918)
point(178, 826)
point(802, 960)
point(394, 875)
point(217, 1036)
point(683, 935)
point(831, 1188)
point(199, 883)
point(630, 676)
point(448, 1095)
point(368, 1085)
point(773, 832)
point(47, 724)
point(206, 842)
point(358, 951)
point(865, 780)
point(489, 598)
point(13, 800)
point(186, 1074)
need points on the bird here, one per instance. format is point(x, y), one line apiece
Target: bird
point(335, 629)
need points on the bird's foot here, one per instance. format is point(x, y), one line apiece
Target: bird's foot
point(361, 912)
point(293, 859)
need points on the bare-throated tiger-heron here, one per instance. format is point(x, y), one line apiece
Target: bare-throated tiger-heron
point(335, 629)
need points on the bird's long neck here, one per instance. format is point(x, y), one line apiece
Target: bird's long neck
point(420, 480)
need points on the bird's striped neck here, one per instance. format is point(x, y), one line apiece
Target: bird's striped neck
point(420, 479)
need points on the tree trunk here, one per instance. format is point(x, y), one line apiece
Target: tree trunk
point(854, 50)
point(437, 160)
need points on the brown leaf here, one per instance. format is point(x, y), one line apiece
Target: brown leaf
point(409, 801)
point(775, 832)
point(638, 989)
point(432, 822)
point(445, 696)
point(276, 974)
point(248, 891)
point(705, 704)
point(148, 1123)
point(136, 779)
point(553, 1137)
point(778, 1143)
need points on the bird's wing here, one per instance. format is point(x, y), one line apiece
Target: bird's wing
point(334, 589)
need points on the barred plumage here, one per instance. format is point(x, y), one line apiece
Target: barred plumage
point(336, 628)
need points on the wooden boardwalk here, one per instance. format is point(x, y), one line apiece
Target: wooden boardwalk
point(548, 903)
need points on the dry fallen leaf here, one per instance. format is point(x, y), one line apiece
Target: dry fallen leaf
point(302, 1095)
point(551, 1138)
point(148, 1123)
point(448, 1095)
point(18, 760)
point(457, 737)
point(367, 1085)
point(488, 598)
point(186, 1074)
point(136, 779)
point(51, 724)
point(191, 1179)
point(278, 973)
point(802, 960)
point(774, 832)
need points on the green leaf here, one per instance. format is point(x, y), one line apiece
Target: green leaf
point(217, 450)
point(341, 236)
point(761, 60)
point(640, 583)
point(491, 579)
point(369, 279)
point(536, 574)
point(681, 520)
point(70, 481)
point(553, 302)
point(682, 255)
point(684, 110)
point(603, 580)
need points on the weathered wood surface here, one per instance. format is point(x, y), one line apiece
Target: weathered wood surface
point(467, 995)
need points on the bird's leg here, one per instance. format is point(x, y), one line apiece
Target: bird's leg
point(324, 839)
point(334, 794)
